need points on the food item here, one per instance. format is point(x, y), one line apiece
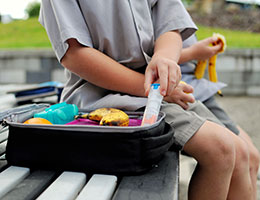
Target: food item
point(107, 117)
point(201, 66)
point(115, 119)
point(98, 114)
point(37, 121)
point(221, 39)
point(200, 69)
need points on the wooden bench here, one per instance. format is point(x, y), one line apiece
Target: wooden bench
point(19, 183)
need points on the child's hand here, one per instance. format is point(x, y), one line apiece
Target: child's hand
point(180, 95)
point(165, 71)
point(202, 50)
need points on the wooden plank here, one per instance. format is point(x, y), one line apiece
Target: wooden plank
point(7, 101)
point(10, 177)
point(31, 187)
point(2, 147)
point(161, 183)
point(99, 187)
point(65, 187)
point(3, 135)
point(3, 165)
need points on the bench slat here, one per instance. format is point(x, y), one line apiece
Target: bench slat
point(3, 165)
point(2, 147)
point(10, 177)
point(3, 134)
point(158, 184)
point(65, 187)
point(99, 187)
point(31, 187)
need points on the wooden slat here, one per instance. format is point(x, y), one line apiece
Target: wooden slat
point(2, 147)
point(3, 135)
point(65, 187)
point(99, 187)
point(31, 187)
point(160, 183)
point(3, 165)
point(10, 177)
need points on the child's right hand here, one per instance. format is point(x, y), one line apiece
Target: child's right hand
point(164, 71)
point(180, 95)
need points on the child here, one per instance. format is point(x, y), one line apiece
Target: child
point(106, 45)
point(204, 91)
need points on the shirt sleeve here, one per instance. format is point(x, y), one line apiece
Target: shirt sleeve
point(171, 15)
point(63, 20)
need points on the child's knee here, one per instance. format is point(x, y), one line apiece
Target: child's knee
point(242, 152)
point(212, 147)
point(222, 155)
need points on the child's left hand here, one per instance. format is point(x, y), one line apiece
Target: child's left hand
point(180, 95)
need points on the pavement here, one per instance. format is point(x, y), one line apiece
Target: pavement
point(245, 111)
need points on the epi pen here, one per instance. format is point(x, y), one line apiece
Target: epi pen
point(153, 105)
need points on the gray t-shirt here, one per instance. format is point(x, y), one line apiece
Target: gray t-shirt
point(125, 30)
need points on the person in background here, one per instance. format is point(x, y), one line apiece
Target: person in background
point(205, 90)
point(113, 50)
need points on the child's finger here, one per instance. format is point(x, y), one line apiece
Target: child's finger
point(163, 77)
point(172, 82)
point(183, 104)
point(174, 77)
point(187, 88)
point(188, 98)
point(217, 48)
point(148, 81)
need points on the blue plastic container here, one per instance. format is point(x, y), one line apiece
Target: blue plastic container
point(61, 113)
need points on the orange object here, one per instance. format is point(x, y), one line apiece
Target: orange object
point(37, 121)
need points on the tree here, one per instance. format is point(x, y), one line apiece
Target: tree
point(33, 9)
point(207, 6)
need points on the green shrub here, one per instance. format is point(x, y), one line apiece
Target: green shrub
point(33, 9)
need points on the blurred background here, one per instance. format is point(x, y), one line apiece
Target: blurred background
point(26, 56)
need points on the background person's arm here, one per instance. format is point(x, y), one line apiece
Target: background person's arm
point(201, 50)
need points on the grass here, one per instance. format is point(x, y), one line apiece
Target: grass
point(23, 34)
point(235, 39)
point(30, 34)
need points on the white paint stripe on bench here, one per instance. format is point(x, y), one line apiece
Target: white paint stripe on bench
point(65, 187)
point(99, 187)
point(10, 177)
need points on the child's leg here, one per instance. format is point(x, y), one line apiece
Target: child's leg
point(223, 168)
point(254, 157)
point(222, 157)
point(215, 154)
point(254, 160)
point(241, 179)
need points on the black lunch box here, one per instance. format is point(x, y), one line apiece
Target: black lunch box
point(92, 149)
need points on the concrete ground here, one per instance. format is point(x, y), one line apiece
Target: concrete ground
point(245, 111)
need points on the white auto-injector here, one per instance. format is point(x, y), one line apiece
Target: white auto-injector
point(153, 105)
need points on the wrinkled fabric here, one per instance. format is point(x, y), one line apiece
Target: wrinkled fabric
point(125, 30)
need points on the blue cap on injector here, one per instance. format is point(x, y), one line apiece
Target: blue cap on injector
point(155, 85)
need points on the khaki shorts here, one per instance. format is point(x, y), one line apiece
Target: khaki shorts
point(213, 106)
point(187, 122)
